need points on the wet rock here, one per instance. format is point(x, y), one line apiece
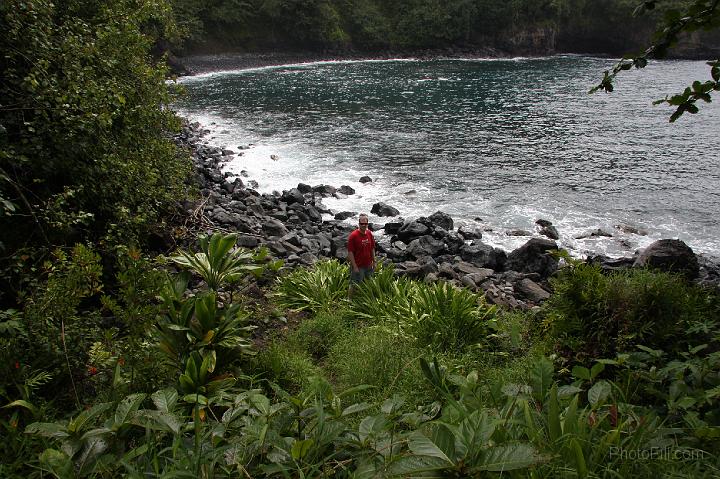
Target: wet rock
point(631, 230)
point(303, 188)
point(670, 255)
point(443, 220)
point(393, 227)
point(595, 234)
point(343, 215)
point(365, 179)
point(383, 209)
point(543, 223)
point(346, 190)
point(518, 233)
point(292, 196)
point(324, 190)
point(470, 232)
point(445, 270)
point(608, 264)
point(454, 242)
point(550, 232)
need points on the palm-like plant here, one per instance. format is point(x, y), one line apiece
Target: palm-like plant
point(218, 262)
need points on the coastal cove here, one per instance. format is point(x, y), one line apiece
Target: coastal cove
point(495, 143)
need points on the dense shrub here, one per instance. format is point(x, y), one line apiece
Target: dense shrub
point(317, 335)
point(593, 315)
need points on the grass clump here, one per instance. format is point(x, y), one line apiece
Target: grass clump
point(324, 287)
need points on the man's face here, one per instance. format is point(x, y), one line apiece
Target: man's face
point(363, 224)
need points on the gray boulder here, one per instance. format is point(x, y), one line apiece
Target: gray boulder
point(365, 179)
point(443, 220)
point(670, 255)
point(292, 196)
point(531, 290)
point(411, 230)
point(470, 232)
point(303, 188)
point(383, 209)
point(346, 190)
point(534, 257)
point(343, 215)
point(393, 227)
point(484, 256)
point(425, 246)
point(273, 227)
point(550, 231)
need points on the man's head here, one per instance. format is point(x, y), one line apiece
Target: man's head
point(363, 222)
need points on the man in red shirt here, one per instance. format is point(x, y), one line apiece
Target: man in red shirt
point(361, 251)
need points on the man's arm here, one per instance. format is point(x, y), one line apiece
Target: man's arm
point(351, 257)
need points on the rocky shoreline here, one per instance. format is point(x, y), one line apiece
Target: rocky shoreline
point(200, 64)
point(297, 228)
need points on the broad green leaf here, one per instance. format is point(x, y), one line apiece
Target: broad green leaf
point(356, 408)
point(77, 424)
point(599, 393)
point(581, 372)
point(371, 425)
point(47, 429)
point(423, 446)
point(127, 408)
point(509, 457)
point(596, 369)
point(300, 449)
point(165, 399)
point(541, 377)
point(580, 463)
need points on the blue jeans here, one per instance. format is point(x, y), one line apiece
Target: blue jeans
point(361, 274)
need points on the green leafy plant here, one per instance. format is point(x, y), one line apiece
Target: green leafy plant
point(324, 287)
point(218, 263)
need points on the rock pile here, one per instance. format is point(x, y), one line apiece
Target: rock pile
point(291, 225)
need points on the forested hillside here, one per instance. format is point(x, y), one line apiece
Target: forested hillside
point(518, 26)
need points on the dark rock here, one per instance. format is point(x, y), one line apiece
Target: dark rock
point(445, 270)
point(550, 231)
point(308, 259)
point(425, 246)
point(365, 179)
point(409, 268)
point(411, 230)
point(246, 241)
point(223, 217)
point(427, 265)
point(393, 227)
point(227, 152)
point(611, 264)
point(466, 268)
point(313, 214)
point(383, 209)
point(292, 196)
point(442, 220)
point(594, 234)
point(631, 230)
point(518, 233)
point(483, 255)
point(534, 257)
point(256, 210)
point(343, 215)
point(470, 232)
point(346, 190)
point(325, 190)
point(303, 188)
point(543, 223)
point(531, 290)
point(273, 227)
point(670, 255)
point(454, 242)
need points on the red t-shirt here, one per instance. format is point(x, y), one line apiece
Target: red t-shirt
point(362, 247)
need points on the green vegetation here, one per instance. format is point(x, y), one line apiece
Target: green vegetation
point(370, 25)
point(115, 364)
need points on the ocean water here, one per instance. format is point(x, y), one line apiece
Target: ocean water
point(494, 143)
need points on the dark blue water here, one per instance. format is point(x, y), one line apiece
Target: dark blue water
point(498, 143)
